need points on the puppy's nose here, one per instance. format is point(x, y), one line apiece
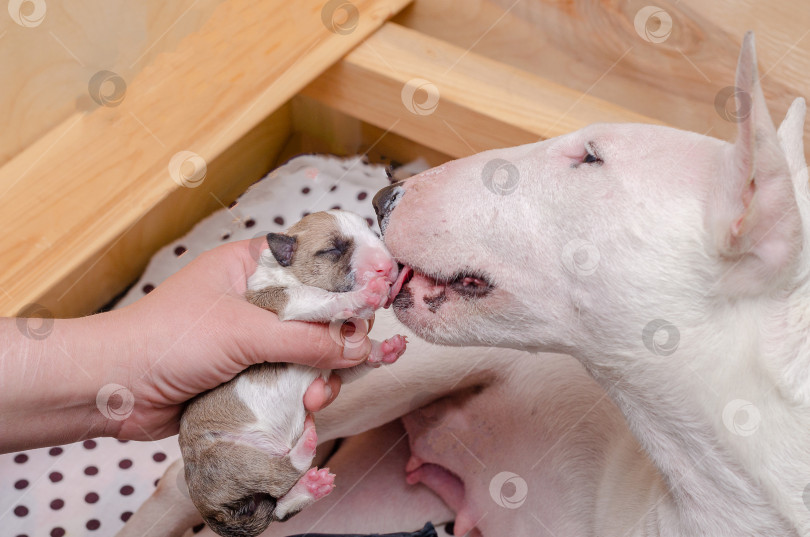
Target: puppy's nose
point(385, 200)
point(383, 266)
point(378, 263)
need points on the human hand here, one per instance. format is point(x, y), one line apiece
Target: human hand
point(196, 331)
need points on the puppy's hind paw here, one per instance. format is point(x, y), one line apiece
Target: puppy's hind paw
point(388, 351)
point(318, 483)
point(310, 487)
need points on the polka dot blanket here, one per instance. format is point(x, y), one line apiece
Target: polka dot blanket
point(93, 487)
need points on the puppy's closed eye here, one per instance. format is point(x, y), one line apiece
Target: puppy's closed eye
point(336, 249)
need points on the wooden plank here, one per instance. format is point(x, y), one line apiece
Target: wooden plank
point(594, 47)
point(47, 62)
point(84, 206)
point(463, 103)
point(326, 130)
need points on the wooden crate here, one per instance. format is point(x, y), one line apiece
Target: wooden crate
point(86, 191)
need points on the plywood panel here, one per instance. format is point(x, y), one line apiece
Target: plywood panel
point(593, 46)
point(326, 130)
point(455, 102)
point(47, 60)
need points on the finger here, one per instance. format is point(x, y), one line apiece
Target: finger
point(335, 384)
point(321, 393)
point(248, 252)
point(267, 339)
point(317, 395)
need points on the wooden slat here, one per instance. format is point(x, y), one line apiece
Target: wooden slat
point(84, 207)
point(482, 104)
point(594, 47)
point(46, 67)
point(325, 130)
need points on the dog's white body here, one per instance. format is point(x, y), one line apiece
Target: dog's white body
point(689, 237)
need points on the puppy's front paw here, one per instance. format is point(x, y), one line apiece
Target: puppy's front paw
point(372, 296)
point(388, 351)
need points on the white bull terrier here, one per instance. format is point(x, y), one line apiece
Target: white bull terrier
point(671, 265)
point(702, 241)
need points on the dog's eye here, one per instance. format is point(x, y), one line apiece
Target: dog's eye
point(591, 155)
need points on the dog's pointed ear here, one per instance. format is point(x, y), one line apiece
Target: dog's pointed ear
point(791, 138)
point(282, 247)
point(758, 227)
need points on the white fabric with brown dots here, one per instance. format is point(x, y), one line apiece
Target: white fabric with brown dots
point(92, 487)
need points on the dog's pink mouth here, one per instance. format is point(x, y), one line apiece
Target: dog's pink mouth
point(467, 284)
point(405, 274)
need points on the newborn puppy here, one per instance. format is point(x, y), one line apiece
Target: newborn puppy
point(249, 443)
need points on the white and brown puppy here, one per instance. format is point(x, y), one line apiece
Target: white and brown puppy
point(248, 445)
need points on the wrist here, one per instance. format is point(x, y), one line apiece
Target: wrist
point(101, 351)
point(52, 380)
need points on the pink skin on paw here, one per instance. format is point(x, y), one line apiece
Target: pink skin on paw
point(375, 292)
point(388, 351)
point(318, 483)
point(310, 436)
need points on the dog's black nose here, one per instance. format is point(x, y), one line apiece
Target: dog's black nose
point(384, 202)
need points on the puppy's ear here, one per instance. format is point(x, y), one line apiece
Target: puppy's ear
point(755, 217)
point(283, 247)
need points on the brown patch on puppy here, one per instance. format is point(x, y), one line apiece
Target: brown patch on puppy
point(323, 254)
point(269, 298)
point(249, 480)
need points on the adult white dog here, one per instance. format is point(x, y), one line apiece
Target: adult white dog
point(673, 266)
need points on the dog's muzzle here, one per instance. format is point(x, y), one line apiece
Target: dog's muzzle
point(384, 202)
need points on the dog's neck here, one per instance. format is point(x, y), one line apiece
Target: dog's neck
point(708, 414)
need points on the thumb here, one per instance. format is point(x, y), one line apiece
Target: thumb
point(334, 345)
